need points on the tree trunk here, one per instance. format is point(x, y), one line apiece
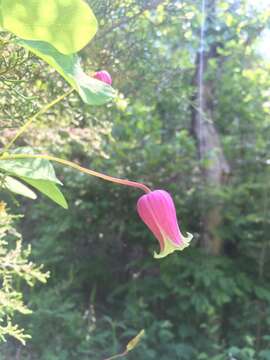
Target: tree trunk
point(214, 166)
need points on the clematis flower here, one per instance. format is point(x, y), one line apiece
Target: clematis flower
point(104, 76)
point(157, 211)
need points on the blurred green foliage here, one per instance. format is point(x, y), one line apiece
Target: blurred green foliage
point(15, 266)
point(105, 285)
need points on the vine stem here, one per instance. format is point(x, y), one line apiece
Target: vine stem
point(75, 166)
point(117, 356)
point(24, 127)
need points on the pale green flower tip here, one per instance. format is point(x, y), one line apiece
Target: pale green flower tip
point(188, 239)
point(170, 248)
point(163, 253)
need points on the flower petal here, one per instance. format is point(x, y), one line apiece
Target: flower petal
point(147, 215)
point(157, 211)
point(170, 247)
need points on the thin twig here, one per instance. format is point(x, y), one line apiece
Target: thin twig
point(150, 6)
point(75, 166)
point(32, 118)
point(117, 356)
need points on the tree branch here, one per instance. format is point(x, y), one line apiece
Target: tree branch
point(151, 6)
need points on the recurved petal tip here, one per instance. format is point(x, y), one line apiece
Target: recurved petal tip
point(170, 247)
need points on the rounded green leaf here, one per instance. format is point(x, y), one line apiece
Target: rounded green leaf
point(68, 25)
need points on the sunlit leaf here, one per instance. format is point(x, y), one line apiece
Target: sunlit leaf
point(66, 24)
point(92, 91)
point(39, 169)
point(17, 187)
point(38, 173)
point(49, 189)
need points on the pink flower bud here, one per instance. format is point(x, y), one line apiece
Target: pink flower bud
point(157, 211)
point(104, 76)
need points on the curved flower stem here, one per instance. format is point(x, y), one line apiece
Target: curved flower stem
point(73, 165)
point(32, 118)
point(117, 356)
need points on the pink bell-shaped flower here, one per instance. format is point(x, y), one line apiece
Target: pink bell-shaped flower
point(104, 76)
point(157, 211)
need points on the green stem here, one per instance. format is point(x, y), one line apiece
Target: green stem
point(77, 167)
point(117, 356)
point(32, 118)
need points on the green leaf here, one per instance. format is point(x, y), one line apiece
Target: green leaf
point(262, 293)
point(66, 24)
point(49, 189)
point(92, 91)
point(18, 188)
point(38, 173)
point(39, 169)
